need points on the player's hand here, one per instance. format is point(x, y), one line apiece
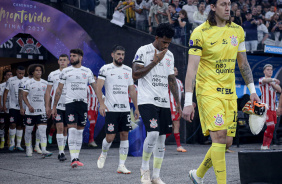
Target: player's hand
point(279, 111)
point(158, 57)
point(188, 112)
point(254, 97)
point(277, 81)
point(48, 112)
point(178, 111)
point(136, 114)
point(103, 108)
point(31, 109)
point(22, 111)
point(54, 113)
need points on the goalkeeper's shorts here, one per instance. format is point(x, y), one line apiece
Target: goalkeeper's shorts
point(217, 114)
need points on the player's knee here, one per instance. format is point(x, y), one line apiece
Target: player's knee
point(153, 136)
point(12, 126)
point(110, 137)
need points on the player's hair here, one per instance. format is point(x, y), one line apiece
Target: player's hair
point(64, 55)
point(165, 29)
point(6, 71)
point(184, 13)
point(267, 65)
point(33, 67)
point(28, 69)
point(211, 17)
point(117, 47)
point(77, 51)
point(173, 5)
point(20, 68)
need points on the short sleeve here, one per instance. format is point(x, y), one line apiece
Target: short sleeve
point(91, 77)
point(181, 87)
point(241, 47)
point(196, 43)
point(8, 84)
point(50, 80)
point(63, 77)
point(130, 81)
point(102, 73)
point(171, 68)
point(139, 57)
point(260, 81)
point(26, 87)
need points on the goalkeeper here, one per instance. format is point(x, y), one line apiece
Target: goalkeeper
point(214, 47)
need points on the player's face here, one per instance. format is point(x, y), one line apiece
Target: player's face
point(63, 62)
point(222, 9)
point(268, 71)
point(163, 43)
point(37, 73)
point(75, 59)
point(20, 73)
point(8, 75)
point(175, 71)
point(118, 57)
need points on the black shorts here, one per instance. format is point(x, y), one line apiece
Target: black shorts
point(16, 117)
point(35, 119)
point(156, 118)
point(76, 112)
point(60, 118)
point(4, 118)
point(117, 122)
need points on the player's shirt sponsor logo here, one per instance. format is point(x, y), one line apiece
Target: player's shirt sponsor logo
point(111, 127)
point(218, 120)
point(153, 123)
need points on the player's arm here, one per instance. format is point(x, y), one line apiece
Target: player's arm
point(132, 93)
point(22, 110)
point(57, 98)
point(190, 81)
point(247, 75)
point(174, 90)
point(1, 106)
point(31, 109)
point(47, 99)
point(99, 93)
point(5, 95)
point(139, 71)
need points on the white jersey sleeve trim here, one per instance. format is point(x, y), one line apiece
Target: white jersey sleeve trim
point(242, 47)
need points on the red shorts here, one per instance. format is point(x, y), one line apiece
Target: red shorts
point(271, 116)
point(92, 116)
point(174, 116)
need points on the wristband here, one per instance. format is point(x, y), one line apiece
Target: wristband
point(188, 99)
point(252, 88)
point(273, 80)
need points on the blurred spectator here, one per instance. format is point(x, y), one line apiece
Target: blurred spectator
point(129, 13)
point(240, 4)
point(208, 7)
point(259, 11)
point(190, 9)
point(275, 27)
point(255, 13)
point(250, 27)
point(262, 34)
point(101, 9)
point(139, 15)
point(279, 5)
point(244, 12)
point(88, 5)
point(173, 15)
point(265, 3)
point(146, 9)
point(234, 7)
point(238, 18)
point(161, 15)
point(200, 16)
point(186, 27)
point(270, 13)
point(151, 20)
point(253, 4)
point(176, 2)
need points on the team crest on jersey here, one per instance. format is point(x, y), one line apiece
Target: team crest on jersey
point(28, 120)
point(218, 120)
point(2, 120)
point(111, 127)
point(234, 41)
point(168, 62)
point(191, 43)
point(71, 117)
point(12, 119)
point(84, 75)
point(44, 88)
point(58, 117)
point(153, 123)
point(126, 75)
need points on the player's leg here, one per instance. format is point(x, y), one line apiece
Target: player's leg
point(60, 136)
point(12, 130)
point(29, 125)
point(41, 120)
point(37, 141)
point(19, 133)
point(176, 127)
point(65, 134)
point(92, 120)
point(2, 130)
point(51, 133)
point(268, 134)
point(151, 121)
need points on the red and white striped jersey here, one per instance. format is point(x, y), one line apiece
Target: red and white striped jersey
point(130, 100)
point(268, 94)
point(180, 91)
point(92, 99)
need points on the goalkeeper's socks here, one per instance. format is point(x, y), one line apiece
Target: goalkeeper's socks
point(205, 165)
point(218, 162)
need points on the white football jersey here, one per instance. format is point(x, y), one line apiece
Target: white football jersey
point(117, 79)
point(153, 87)
point(36, 91)
point(13, 85)
point(2, 89)
point(76, 81)
point(53, 80)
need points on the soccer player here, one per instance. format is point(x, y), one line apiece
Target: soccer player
point(174, 115)
point(153, 67)
point(269, 87)
point(117, 79)
point(16, 119)
point(33, 96)
point(61, 125)
point(214, 47)
point(3, 114)
point(76, 78)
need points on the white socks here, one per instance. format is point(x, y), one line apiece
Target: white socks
point(43, 138)
point(105, 147)
point(123, 151)
point(60, 142)
point(37, 137)
point(79, 137)
point(158, 156)
point(72, 142)
point(148, 147)
point(27, 136)
point(12, 133)
point(19, 137)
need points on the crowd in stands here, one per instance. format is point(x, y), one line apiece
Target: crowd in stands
point(261, 19)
